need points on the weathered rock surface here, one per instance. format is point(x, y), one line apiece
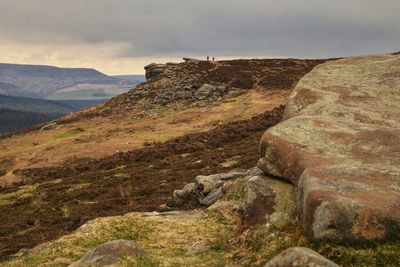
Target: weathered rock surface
point(188, 195)
point(210, 182)
point(340, 145)
point(212, 197)
point(177, 83)
point(206, 190)
point(108, 254)
point(200, 83)
point(299, 257)
point(268, 200)
point(211, 90)
point(154, 70)
point(189, 59)
point(360, 89)
point(257, 198)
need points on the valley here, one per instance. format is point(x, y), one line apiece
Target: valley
point(33, 94)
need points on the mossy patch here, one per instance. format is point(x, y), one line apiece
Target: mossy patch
point(22, 192)
point(165, 238)
point(380, 254)
point(69, 134)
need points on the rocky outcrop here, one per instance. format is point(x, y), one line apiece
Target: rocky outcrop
point(339, 144)
point(206, 190)
point(108, 254)
point(257, 198)
point(185, 82)
point(207, 90)
point(154, 70)
point(189, 59)
point(300, 256)
point(201, 83)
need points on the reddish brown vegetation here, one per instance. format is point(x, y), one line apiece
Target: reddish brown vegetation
point(138, 180)
point(276, 74)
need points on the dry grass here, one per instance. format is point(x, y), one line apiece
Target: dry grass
point(102, 136)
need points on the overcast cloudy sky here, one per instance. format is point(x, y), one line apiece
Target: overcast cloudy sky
point(121, 36)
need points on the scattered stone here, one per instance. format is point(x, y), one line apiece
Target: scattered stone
point(259, 201)
point(204, 91)
point(197, 162)
point(49, 126)
point(209, 183)
point(300, 256)
point(189, 189)
point(188, 195)
point(164, 208)
point(235, 91)
point(212, 197)
point(108, 254)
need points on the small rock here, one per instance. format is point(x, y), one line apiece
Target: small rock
point(222, 89)
point(108, 254)
point(189, 195)
point(183, 156)
point(259, 201)
point(198, 247)
point(208, 183)
point(227, 209)
point(235, 91)
point(164, 208)
point(212, 197)
point(204, 91)
point(49, 126)
point(184, 94)
point(188, 190)
point(300, 256)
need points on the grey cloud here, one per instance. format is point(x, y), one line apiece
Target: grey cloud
point(196, 27)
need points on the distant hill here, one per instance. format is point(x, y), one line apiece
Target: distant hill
point(19, 112)
point(50, 82)
point(133, 78)
point(80, 104)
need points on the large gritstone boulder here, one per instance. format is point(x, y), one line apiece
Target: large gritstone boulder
point(339, 144)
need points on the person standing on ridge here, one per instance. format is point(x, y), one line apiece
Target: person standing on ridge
point(213, 58)
point(208, 58)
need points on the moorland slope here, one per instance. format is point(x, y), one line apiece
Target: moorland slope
point(130, 153)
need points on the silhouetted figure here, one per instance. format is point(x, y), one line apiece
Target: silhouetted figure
point(213, 58)
point(208, 58)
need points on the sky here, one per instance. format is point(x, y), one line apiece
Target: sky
point(122, 36)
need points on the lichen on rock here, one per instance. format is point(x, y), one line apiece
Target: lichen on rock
point(339, 145)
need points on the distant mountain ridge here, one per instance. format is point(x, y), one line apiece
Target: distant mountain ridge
point(50, 82)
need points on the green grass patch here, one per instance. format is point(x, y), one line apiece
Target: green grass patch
point(22, 192)
point(68, 134)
